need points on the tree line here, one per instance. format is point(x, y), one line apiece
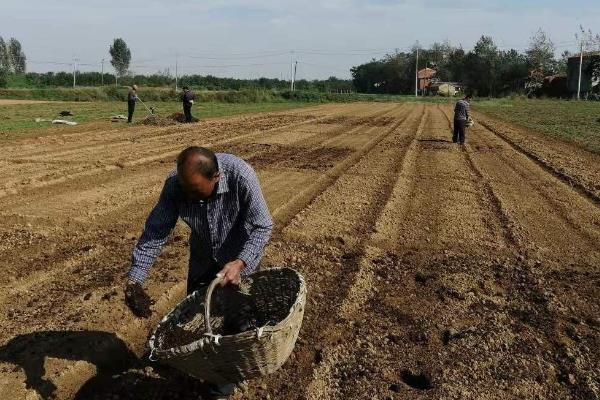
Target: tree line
point(486, 70)
point(204, 82)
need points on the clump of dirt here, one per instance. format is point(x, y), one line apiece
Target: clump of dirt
point(180, 117)
point(173, 119)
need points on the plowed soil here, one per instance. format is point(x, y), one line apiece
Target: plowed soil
point(435, 271)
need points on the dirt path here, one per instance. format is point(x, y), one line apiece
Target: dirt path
point(434, 271)
point(10, 102)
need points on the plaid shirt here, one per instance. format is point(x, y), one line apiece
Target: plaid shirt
point(233, 223)
point(461, 110)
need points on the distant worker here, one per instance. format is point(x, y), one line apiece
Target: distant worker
point(188, 101)
point(461, 117)
point(131, 99)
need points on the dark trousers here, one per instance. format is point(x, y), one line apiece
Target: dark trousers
point(459, 131)
point(193, 284)
point(130, 110)
point(187, 110)
point(196, 282)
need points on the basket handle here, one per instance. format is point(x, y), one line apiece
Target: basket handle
point(207, 300)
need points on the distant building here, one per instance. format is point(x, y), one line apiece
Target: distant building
point(447, 89)
point(586, 76)
point(426, 77)
point(555, 86)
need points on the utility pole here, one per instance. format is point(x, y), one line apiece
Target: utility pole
point(417, 75)
point(292, 70)
point(74, 69)
point(295, 70)
point(102, 76)
point(580, 69)
point(176, 72)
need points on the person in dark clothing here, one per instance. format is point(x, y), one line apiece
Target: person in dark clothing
point(188, 100)
point(461, 117)
point(131, 99)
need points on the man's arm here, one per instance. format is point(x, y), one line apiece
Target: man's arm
point(258, 221)
point(159, 225)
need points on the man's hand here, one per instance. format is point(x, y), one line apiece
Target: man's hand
point(231, 272)
point(137, 300)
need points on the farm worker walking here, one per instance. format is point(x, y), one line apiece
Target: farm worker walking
point(461, 116)
point(188, 101)
point(219, 197)
point(131, 99)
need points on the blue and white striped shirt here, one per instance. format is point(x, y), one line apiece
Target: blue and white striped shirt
point(233, 223)
point(461, 110)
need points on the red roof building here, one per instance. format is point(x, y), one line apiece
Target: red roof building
point(426, 77)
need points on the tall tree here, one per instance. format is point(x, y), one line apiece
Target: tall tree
point(4, 56)
point(589, 40)
point(121, 56)
point(480, 66)
point(563, 61)
point(3, 80)
point(456, 66)
point(512, 71)
point(17, 57)
point(593, 68)
point(540, 54)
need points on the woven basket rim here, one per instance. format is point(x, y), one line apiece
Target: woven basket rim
point(165, 354)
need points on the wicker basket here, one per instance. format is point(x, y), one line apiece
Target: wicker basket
point(274, 297)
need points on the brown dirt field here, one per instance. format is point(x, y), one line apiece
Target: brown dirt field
point(10, 102)
point(434, 271)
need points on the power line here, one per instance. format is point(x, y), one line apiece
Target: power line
point(232, 65)
point(273, 54)
point(323, 66)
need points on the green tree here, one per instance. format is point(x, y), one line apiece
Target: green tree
point(4, 56)
point(18, 61)
point(369, 77)
point(438, 57)
point(120, 56)
point(512, 70)
point(562, 63)
point(480, 67)
point(594, 70)
point(540, 54)
point(3, 80)
point(455, 66)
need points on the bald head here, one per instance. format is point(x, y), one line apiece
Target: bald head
point(197, 172)
point(197, 160)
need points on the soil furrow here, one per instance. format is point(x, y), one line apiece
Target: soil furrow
point(434, 270)
point(323, 384)
point(489, 196)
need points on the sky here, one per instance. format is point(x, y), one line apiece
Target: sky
point(256, 38)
